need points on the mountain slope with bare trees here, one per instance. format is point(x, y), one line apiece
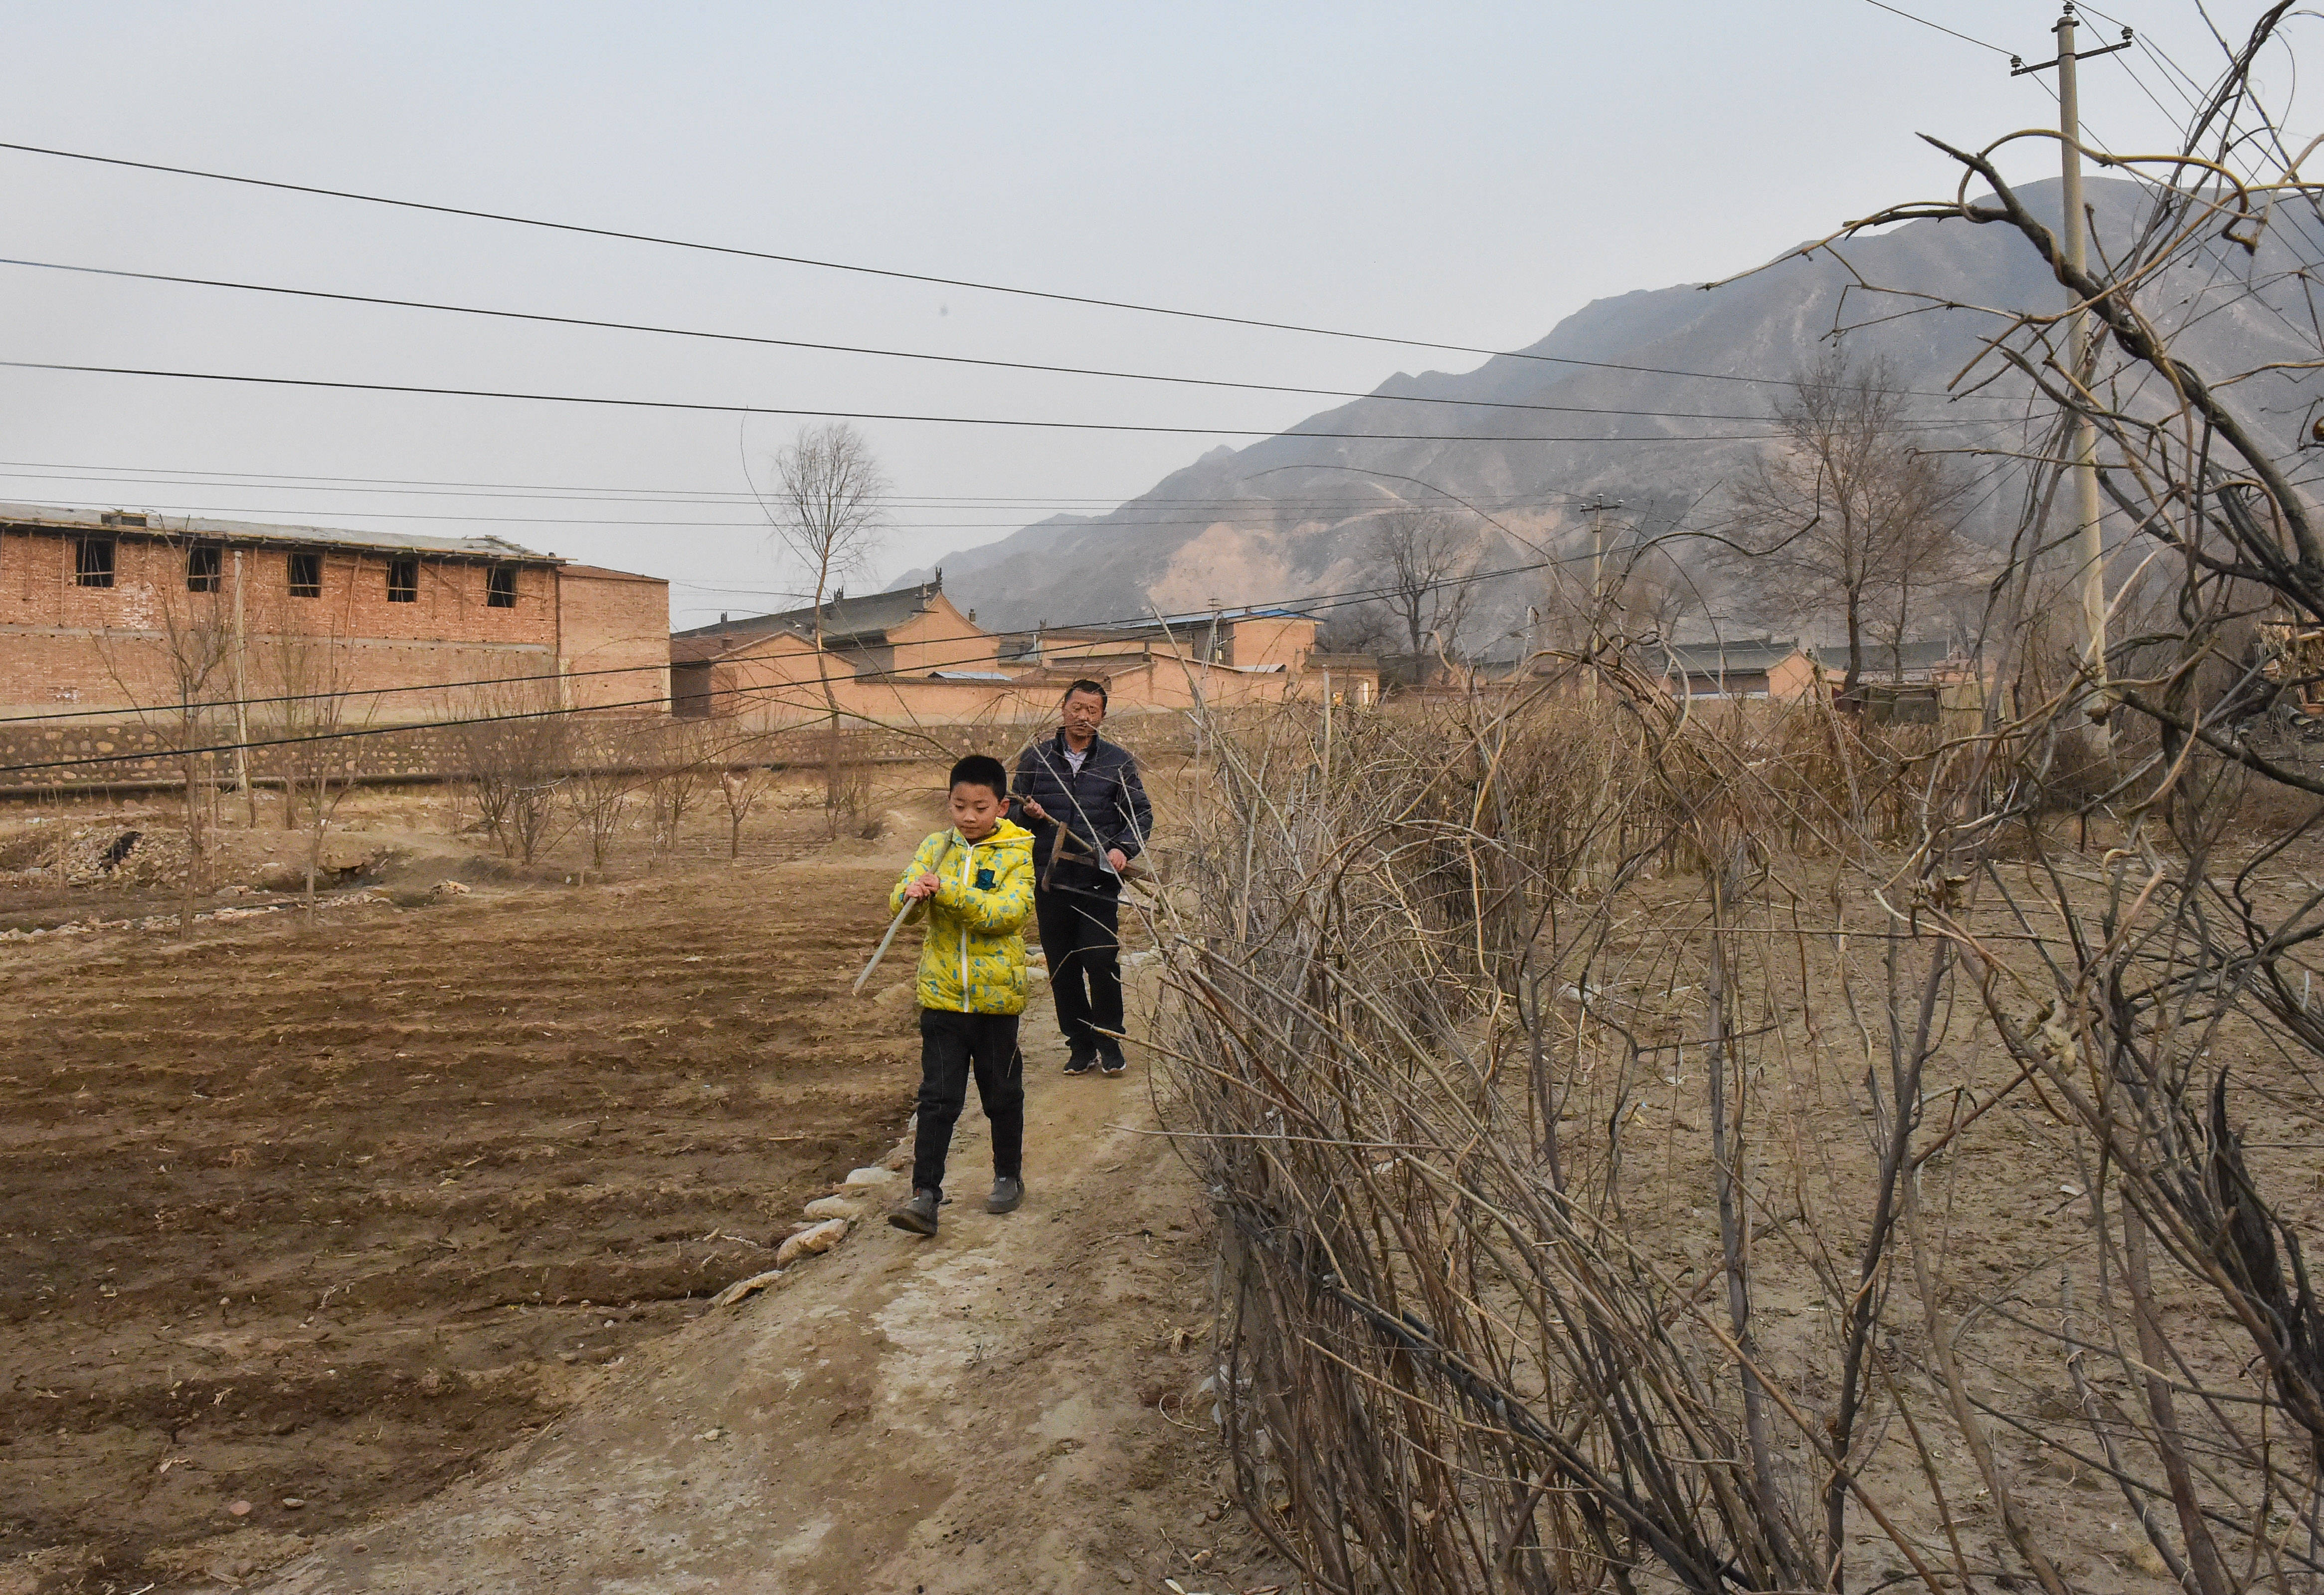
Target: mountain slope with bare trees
point(1626, 382)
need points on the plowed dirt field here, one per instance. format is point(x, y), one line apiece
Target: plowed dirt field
point(308, 1221)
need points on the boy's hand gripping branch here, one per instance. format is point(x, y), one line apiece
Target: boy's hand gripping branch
point(894, 926)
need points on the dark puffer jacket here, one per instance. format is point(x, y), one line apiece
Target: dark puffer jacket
point(1104, 803)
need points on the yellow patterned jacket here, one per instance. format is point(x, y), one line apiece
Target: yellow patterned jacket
point(973, 959)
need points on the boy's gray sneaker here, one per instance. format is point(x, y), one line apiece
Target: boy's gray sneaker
point(1110, 1061)
point(917, 1215)
point(1007, 1191)
point(1082, 1059)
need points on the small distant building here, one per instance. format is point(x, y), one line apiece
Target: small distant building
point(115, 610)
point(760, 661)
point(1223, 655)
point(1911, 663)
point(1907, 684)
point(1755, 667)
point(911, 654)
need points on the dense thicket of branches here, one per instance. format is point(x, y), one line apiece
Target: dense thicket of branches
point(1656, 1145)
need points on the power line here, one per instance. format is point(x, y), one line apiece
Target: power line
point(1939, 27)
point(1108, 524)
point(739, 252)
point(434, 486)
point(716, 409)
point(842, 349)
point(1108, 512)
point(429, 486)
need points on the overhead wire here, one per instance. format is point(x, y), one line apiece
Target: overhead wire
point(423, 486)
point(1295, 512)
point(1939, 27)
point(792, 343)
point(707, 407)
point(881, 272)
point(427, 487)
point(1105, 511)
point(582, 229)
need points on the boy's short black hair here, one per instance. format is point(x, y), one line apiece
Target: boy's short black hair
point(981, 769)
point(1086, 685)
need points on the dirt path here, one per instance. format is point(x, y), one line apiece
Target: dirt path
point(1013, 1405)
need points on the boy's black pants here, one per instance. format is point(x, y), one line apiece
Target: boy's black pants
point(952, 1046)
point(1081, 934)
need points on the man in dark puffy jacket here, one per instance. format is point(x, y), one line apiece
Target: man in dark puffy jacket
point(1087, 809)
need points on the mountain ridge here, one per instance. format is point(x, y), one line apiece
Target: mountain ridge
point(1285, 517)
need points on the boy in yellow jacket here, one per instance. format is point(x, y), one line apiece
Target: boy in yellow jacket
point(977, 882)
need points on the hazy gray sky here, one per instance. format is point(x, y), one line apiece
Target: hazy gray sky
point(1459, 172)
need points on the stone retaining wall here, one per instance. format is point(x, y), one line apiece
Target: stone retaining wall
point(38, 758)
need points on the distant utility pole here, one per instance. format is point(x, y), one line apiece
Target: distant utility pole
point(1596, 509)
point(242, 703)
point(2079, 350)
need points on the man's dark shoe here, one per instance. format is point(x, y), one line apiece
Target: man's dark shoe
point(917, 1215)
point(1007, 1191)
point(1082, 1059)
point(1110, 1061)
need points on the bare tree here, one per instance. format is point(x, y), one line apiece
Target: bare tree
point(193, 636)
point(517, 746)
point(741, 786)
point(313, 672)
point(1363, 628)
point(670, 759)
point(828, 511)
point(1846, 515)
point(1421, 557)
point(604, 779)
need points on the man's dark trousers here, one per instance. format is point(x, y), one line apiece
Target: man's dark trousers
point(952, 1046)
point(1081, 935)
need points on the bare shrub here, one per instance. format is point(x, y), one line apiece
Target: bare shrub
point(673, 758)
point(318, 717)
point(518, 745)
point(1846, 1182)
point(607, 772)
point(740, 788)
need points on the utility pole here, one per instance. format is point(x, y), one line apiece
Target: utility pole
point(241, 702)
point(2089, 543)
point(1596, 509)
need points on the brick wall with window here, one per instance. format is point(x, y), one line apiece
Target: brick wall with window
point(67, 645)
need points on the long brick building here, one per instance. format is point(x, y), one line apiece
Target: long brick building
point(122, 610)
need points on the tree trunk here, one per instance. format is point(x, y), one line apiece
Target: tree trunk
point(193, 837)
point(1850, 699)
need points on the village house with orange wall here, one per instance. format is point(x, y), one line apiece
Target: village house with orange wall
point(910, 657)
